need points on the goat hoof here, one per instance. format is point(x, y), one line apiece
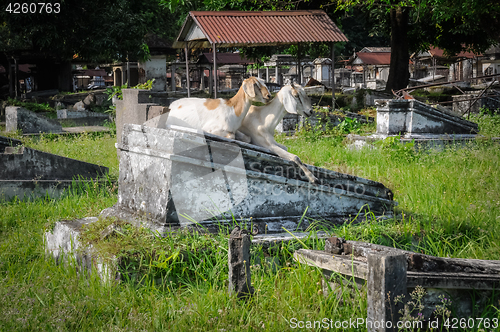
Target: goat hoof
point(314, 180)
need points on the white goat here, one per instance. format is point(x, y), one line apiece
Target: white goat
point(260, 122)
point(219, 116)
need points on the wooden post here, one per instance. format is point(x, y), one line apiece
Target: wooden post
point(277, 73)
point(172, 68)
point(214, 49)
point(240, 280)
point(187, 69)
point(386, 281)
point(202, 82)
point(210, 81)
point(333, 76)
point(128, 72)
point(299, 81)
point(16, 77)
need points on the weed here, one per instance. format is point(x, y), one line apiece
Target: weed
point(32, 106)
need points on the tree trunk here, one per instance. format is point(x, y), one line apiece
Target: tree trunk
point(399, 74)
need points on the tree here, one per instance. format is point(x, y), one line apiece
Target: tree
point(95, 30)
point(453, 26)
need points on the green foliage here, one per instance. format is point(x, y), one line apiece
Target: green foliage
point(78, 30)
point(397, 150)
point(32, 106)
point(488, 121)
point(449, 203)
point(349, 126)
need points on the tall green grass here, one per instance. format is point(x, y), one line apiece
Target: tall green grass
point(449, 205)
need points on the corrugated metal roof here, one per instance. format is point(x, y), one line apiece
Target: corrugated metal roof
point(258, 28)
point(224, 59)
point(439, 53)
point(374, 58)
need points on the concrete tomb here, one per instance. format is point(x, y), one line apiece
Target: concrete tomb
point(414, 120)
point(178, 177)
point(26, 172)
point(139, 106)
point(389, 272)
point(28, 122)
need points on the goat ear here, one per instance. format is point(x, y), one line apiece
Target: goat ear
point(248, 88)
point(289, 103)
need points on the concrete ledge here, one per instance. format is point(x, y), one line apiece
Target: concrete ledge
point(19, 118)
point(421, 141)
point(62, 244)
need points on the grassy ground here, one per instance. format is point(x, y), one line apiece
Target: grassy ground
point(449, 205)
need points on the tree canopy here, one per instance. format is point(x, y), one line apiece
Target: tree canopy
point(92, 30)
point(417, 24)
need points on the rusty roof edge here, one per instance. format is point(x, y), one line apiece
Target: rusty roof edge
point(260, 13)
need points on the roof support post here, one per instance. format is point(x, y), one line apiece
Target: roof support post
point(267, 74)
point(187, 69)
point(202, 80)
point(214, 49)
point(299, 67)
point(210, 81)
point(332, 76)
point(172, 68)
point(277, 73)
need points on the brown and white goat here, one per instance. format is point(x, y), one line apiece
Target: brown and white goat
point(220, 116)
point(260, 122)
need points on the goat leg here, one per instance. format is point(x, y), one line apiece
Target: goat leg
point(293, 158)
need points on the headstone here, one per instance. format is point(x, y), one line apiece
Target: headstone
point(415, 117)
point(134, 108)
point(155, 69)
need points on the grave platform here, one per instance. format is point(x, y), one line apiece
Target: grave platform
point(389, 272)
point(178, 177)
point(30, 173)
point(414, 121)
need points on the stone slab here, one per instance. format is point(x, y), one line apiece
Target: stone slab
point(29, 173)
point(414, 117)
point(421, 141)
point(65, 114)
point(62, 244)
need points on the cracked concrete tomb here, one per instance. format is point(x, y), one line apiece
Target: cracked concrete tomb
point(178, 177)
point(29, 173)
point(28, 122)
point(415, 121)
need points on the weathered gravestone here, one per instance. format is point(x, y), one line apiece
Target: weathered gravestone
point(28, 122)
point(139, 106)
point(178, 177)
point(26, 172)
point(389, 273)
point(412, 120)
